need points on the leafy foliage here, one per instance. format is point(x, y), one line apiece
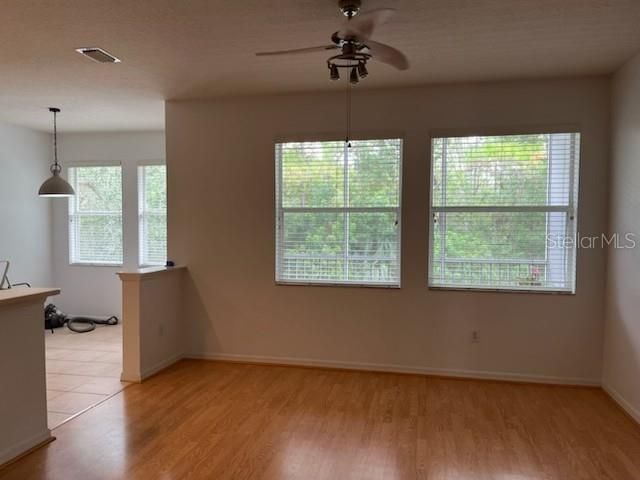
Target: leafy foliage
point(152, 188)
point(95, 213)
point(488, 239)
point(347, 229)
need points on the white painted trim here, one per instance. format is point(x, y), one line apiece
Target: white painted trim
point(514, 209)
point(130, 377)
point(620, 400)
point(340, 209)
point(335, 283)
point(280, 210)
point(146, 373)
point(140, 377)
point(16, 450)
point(137, 378)
point(151, 162)
point(375, 367)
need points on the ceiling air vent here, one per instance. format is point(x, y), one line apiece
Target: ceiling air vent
point(98, 55)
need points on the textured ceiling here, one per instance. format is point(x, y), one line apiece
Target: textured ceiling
point(174, 49)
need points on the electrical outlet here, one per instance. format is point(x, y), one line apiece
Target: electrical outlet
point(475, 336)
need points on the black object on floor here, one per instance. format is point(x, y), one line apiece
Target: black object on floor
point(56, 318)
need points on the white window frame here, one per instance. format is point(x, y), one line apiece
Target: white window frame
point(140, 192)
point(280, 211)
point(571, 211)
point(71, 213)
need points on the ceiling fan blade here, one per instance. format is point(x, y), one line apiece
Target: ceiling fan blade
point(361, 26)
point(298, 50)
point(387, 54)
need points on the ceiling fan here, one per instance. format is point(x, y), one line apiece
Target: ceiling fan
point(353, 39)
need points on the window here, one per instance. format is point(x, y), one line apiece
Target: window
point(152, 214)
point(504, 212)
point(95, 215)
point(338, 212)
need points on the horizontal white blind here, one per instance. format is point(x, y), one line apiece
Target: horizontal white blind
point(95, 215)
point(152, 214)
point(338, 212)
point(504, 211)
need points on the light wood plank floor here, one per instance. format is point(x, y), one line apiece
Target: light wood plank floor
point(206, 420)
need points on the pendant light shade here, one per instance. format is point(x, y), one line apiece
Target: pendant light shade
point(55, 186)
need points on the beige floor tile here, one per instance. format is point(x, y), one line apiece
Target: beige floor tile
point(104, 386)
point(65, 383)
point(110, 336)
point(110, 357)
point(54, 419)
point(56, 353)
point(82, 369)
point(63, 367)
point(106, 346)
point(71, 354)
point(51, 394)
point(97, 346)
point(95, 369)
point(73, 402)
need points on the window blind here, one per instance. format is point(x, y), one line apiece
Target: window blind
point(504, 212)
point(152, 214)
point(95, 215)
point(338, 212)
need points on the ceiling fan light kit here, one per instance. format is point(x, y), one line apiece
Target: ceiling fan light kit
point(353, 41)
point(353, 78)
point(349, 8)
point(334, 73)
point(362, 70)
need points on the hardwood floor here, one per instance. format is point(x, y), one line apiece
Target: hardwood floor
point(209, 420)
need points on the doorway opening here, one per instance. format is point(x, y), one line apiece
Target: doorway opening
point(83, 369)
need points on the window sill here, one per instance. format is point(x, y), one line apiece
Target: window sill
point(83, 264)
point(500, 290)
point(393, 286)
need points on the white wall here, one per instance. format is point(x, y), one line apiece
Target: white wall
point(96, 290)
point(221, 225)
point(25, 218)
point(621, 375)
point(155, 324)
point(23, 416)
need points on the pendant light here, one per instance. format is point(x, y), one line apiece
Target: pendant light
point(56, 186)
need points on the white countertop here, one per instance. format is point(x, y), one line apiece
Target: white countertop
point(142, 273)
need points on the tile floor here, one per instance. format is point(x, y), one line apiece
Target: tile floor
point(82, 369)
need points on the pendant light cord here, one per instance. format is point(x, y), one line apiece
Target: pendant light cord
point(55, 140)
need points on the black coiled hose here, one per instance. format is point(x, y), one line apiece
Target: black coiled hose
point(55, 318)
point(84, 324)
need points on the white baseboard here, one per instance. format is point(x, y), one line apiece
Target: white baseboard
point(374, 367)
point(160, 366)
point(143, 375)
point(620, 400)
point(18, 449)
point(130, 377)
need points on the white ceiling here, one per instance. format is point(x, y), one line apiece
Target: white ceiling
point(174, 49)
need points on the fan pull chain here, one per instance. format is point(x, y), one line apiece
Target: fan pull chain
point(348, 115)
